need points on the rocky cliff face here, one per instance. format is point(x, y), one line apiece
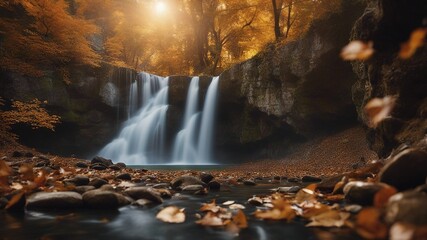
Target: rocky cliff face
point(388, 23)
point(291, 91)
point(91, 107)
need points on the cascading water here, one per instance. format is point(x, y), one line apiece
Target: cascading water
point(208, 122)
point(185, 147)
point(142, 138)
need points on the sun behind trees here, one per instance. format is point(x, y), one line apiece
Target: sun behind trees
point(185, 37)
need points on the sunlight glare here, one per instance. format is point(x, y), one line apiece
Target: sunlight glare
point(160, 7)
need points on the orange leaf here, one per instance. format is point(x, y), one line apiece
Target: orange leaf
point(211, 220)
point(15, 199)
point(378, 109)
point(240, 219)
point(368, 224)
point(27, 172)
point(382, 196)
point(408, 49)
point(357, 50)
point(212, 207)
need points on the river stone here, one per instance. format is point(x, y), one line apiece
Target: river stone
point(311, 179)
point(101, 160)
point(144, 192)
point(142, 202)
point(98, 167)
point(180, 182)
point(120, 165)
point(78, 180)
point(161, 185)
point(293, 180)
point(82, 165)
point(101, 199)
point(328, 184)
point(42, 163)
point(406, 170)
point(124, 176)
point(54, 200)
point(293, 189)
point(407, 207)
point(98, 182)
point(249, 182)
point(192, 188)
point(115, 168)
point(107, 187)
point(214, 185)
point(17, 154)
point(83, 189)
point(206, 177)
point(362, 193)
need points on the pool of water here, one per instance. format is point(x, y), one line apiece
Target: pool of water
point(140, 223)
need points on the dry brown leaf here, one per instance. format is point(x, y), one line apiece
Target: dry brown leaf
point(211, 220)
point(382, 196)
point(314, 209)
point(409, 48)
point(15, 199)
point(240, 219)
point(306, 194)
point(282, 210)
point(332, 218)
point(378, 109)
point(228, 203)
point(236, 206)
point(357, 50)
point(369, 226)
point(171, 214)
point(212, 207)
point(27, 172)
point(5, 171)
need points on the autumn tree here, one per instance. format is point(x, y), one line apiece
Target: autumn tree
point(31, 113)
point(292, 17)
point(37, 35)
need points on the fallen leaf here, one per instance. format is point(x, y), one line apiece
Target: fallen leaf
point(171, 214)
point(306, 194)
point(369, 226)
point(332, 218)
point(240, 219)
point(27, 172)
point(15, 199)
point(378, 109)
point(314, 209)
point(282, 210)
point(228, 203)
point(382, 196)
point(357, 50)
point(212, 207)
point(211, 220)
point(416, 40)
point(236, 206)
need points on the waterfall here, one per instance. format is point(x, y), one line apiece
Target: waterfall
point(141, 139)
point(185, 146)
point(208, 122)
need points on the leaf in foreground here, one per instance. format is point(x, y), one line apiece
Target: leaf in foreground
point(378, 109)
point(369, 226)
point(211, 220)
point(282, 210)
point(171, 214)
point(408, 49)
point(357, 50)
point(210, 207)
point(332, 218)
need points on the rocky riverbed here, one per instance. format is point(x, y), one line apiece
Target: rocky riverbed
point(377, 199)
